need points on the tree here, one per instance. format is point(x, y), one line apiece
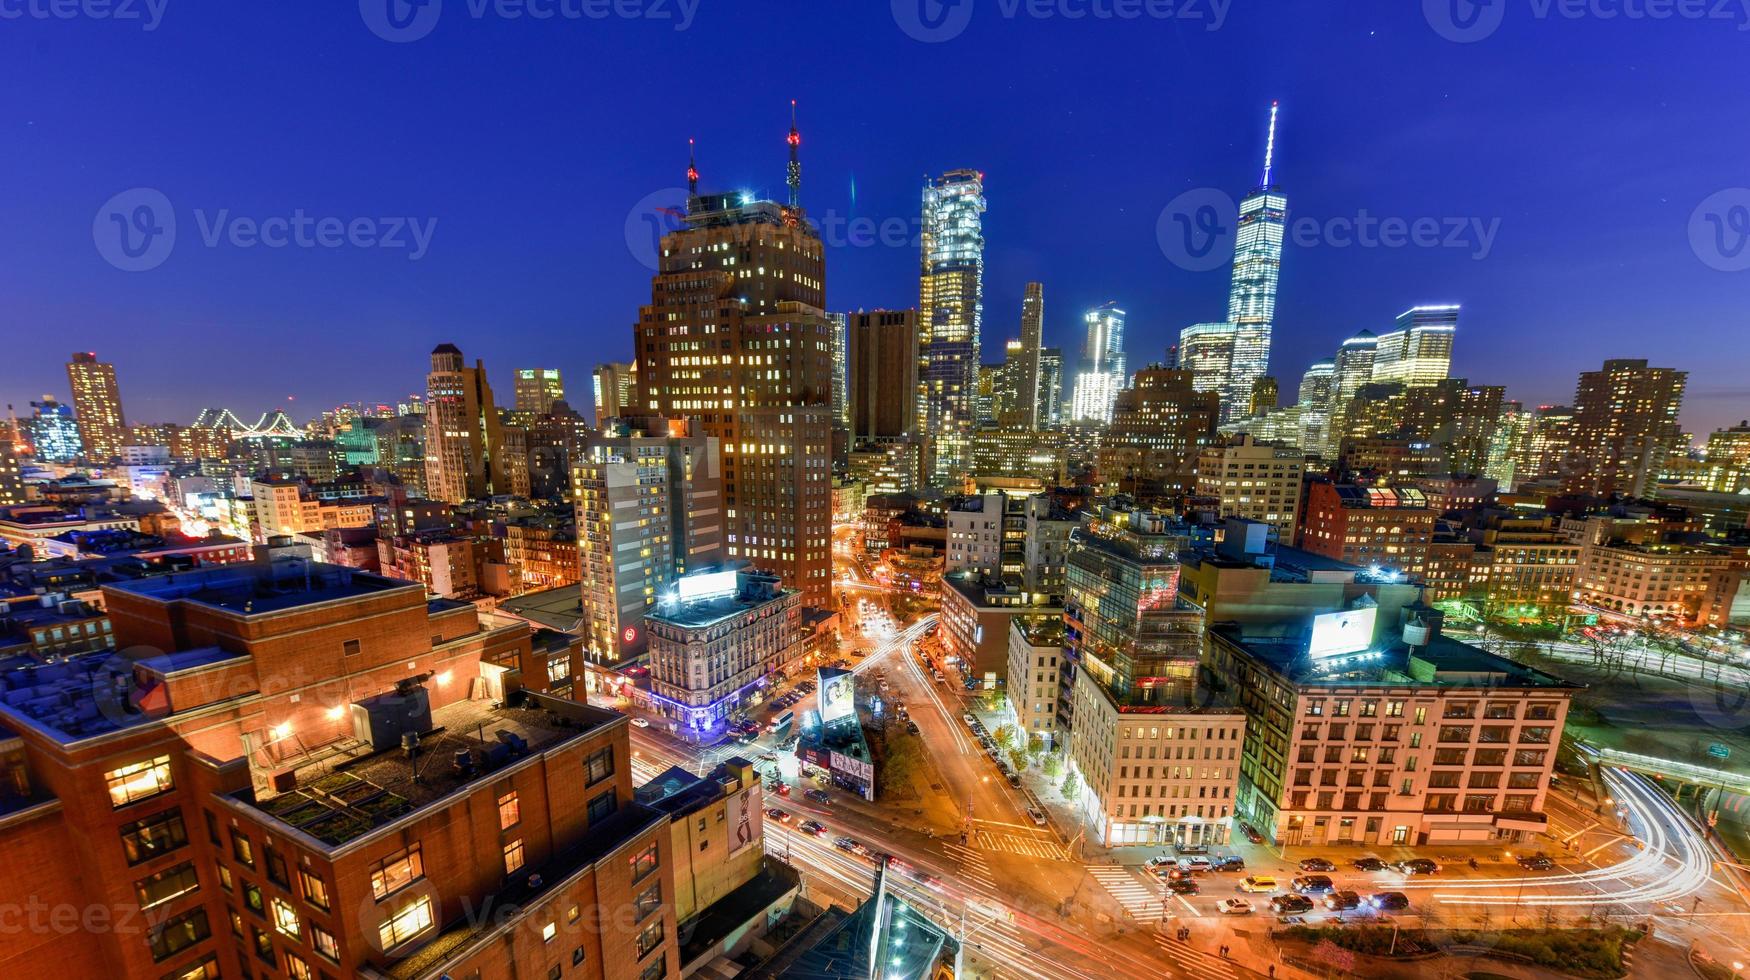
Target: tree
point(1035, 744)
point(1006, 735)
point(1018, 760)
point(1053, 765)
point(1070, 785)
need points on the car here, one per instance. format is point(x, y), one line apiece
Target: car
point(1317, 864)
point(1537, 862)
point(1014, 780)
point(1198, 865)
point(911, 728)
point(640, 722)
point(1287, 904)
point(1183, 886)
point(768, 757)
point(1171, 872)
point(1389, 901)
point(1232, 862)
point(971, 722)
point(1258, 883)
point(1342, 901)
point(1313, 885)
point(1234, 906)
point(846, 844)
point(1370, 864)
point(1160, 859)
point(813, 828)
point(1251, 833)
point(1036, 815)
point(819, 796)
point(777, 814)
point(1419, 866)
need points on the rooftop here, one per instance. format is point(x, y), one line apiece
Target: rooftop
point(559, 608)
point(251, 588)
point(1444, 662)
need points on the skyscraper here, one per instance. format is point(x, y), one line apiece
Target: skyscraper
point(1625, 426)
point(1418, 351)
point(1207, 351)
point(950, 315)
point(1251, 304)
point(97, 404)
point(1317, 395)
point(841, 379)
point(1103, 373)
point(462, 435)
point(1028, 395)
point(736, 334)
point(1050, 387)
point(615, 386)
point(1159, 425)
point(52, 431)
point(537, 389)
point(884, 381)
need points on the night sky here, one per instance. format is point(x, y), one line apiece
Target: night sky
point(1586, 143)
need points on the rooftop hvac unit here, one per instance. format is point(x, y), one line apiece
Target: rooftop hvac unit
point(382, 719)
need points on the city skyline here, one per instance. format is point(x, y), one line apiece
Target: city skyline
point(1087, 241)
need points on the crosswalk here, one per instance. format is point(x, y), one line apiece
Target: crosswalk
point(643, 772)
point(1035, 847)
point(1200, 963)
point(972, 865)
point(1142, 900)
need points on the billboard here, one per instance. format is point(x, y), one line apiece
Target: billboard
point(1342, 632)
point(838, 696)
point(742, 832)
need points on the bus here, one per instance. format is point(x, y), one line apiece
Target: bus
point(781, 722)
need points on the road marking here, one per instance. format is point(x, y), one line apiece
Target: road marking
point(1139, 900)
point(1204, 964)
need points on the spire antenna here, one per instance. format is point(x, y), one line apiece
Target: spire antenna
point(692, 171)
point(794, 175)
point(1270, 146)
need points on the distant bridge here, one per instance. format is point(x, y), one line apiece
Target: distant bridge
point(274, 423)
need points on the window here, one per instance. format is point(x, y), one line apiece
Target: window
point(297, 969)
point(602, 806)
point(413, 919)
point(599, 765)
point(396, 872)
point(649, 901)
point(285, 919)
point(657, 969)
point(166, 885)
point(140, 781)
point(178, 934)
point(153, 836)
point(225, 881)
point(276, 868)
point(242, 849)
point(509, 812)
point(326, 945)
point(513, 856)
point(206, 968)
point(350, 647)
point(643, 863)
point(315, 889)
point(649, 938)
point(263, 947)
point(549, 931)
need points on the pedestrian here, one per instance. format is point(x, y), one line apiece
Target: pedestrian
point(1272, 971)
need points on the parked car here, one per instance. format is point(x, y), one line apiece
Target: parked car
point(1317, 864)
point(819, 796)
point(774, 813)
point(1537, 862)
point(1160, 859)
point(1183, 886)
point(1198, 865)
point(1234, 906)
point(1370, 864)
point(971, 722)
point(813, 828)
point(1342, 901)
point(1389, 901)
point(1036, 815)
point(1287, 904)
point(1258, 883)
point(1419, 866)
point(1313, 885)
point(1014, 780)
point(911, 728)
point(1232, 862)
point(1251, 833)
point(638, 722)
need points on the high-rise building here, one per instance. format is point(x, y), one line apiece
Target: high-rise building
point(1103, 373)
point(1266, 395)
point(1316, 399)
point(1159, 425)
point(984, 400)
point(1206, 350)
point(1050, 387)
point(716, 639)
point(615, 386)
point(97, 404)
point(736, 334)
point(841, 379)
point(1251, 305)
point(1029, 396)
point(462, 433)
point(950, 316)
point(1625, 425)
point(884, 378)
point(1373, 526)
point(11, 478)
point(1418, 351)
point(537, 389)
point(52, 431)
point(1253, 480)
point(649, 499)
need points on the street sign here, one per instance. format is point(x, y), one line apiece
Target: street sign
point(1719, 751)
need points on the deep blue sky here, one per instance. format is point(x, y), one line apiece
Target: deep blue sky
point(1591, 140)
